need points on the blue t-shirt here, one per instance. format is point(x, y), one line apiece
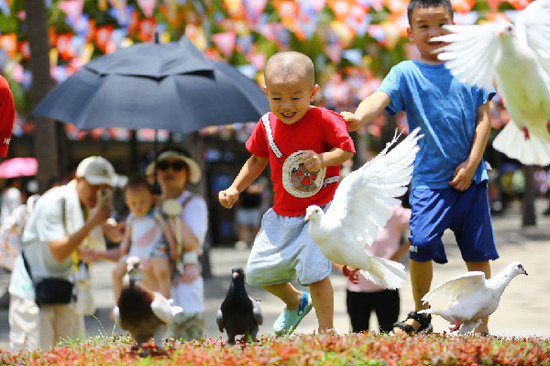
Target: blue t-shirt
point(445, 109)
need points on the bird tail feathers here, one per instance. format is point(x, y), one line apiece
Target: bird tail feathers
point(427, 311)
point(176, 310)
point(531, 150)
point(385, 272)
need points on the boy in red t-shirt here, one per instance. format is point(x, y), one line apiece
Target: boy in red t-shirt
point(304, 146)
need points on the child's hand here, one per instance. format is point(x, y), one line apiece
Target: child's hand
point(312, 161)
point(352, 121)
point(228, 197)
point(462, 177)
point(88, 255)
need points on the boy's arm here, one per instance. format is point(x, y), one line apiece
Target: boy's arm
point(336, 156)
point(403, 249)
point(464, 173)
point(369, 108)
point(251, 169)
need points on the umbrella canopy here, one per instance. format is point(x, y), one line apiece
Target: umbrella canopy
point(18, 167)
point(171, 86)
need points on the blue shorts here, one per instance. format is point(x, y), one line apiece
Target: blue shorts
point(466, 213)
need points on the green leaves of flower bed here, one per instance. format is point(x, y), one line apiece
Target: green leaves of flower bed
point(313, 349)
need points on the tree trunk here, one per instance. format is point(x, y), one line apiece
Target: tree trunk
point(45, 137)
point(529, 215)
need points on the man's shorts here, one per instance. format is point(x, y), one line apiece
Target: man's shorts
point(466, 213)
point(32, 327)
point(283, 250)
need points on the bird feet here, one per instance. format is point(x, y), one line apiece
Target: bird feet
point(353, 274)
point(455, 326)
point(148, 349)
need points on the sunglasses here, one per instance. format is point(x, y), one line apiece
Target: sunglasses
point(176, 165)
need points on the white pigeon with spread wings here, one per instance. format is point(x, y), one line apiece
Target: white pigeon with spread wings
point(362, 205)
point(517, 58)
point(471, 296)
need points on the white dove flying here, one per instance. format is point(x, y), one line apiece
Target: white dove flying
point(517, 58)
point(362, 205)
point(472, 296)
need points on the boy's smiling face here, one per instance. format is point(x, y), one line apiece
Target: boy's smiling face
point(425, 24)
point(290, 97)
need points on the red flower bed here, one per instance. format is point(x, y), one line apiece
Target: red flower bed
point(315, 349)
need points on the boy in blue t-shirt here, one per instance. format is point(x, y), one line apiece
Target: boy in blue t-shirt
point(449, 185)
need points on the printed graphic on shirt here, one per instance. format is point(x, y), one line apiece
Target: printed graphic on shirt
point(298, 181)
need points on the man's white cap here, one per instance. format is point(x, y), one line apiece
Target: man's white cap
point(96, 170)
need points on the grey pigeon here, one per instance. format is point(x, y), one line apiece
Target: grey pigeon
point(141, 312)
point(362, 205)
point(471, 296)
point(516, 57)
point(239, 314)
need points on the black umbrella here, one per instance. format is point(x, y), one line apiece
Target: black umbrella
point(170, 86)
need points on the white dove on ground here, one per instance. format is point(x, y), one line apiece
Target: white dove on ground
point(362, 205)
point(143, 313)
point(472, 296)
point(517, 58)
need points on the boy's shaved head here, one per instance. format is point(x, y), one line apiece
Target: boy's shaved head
point(415, 4)
point(288, 66)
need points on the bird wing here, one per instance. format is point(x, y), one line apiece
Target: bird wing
point(456, 287)
point(257, 311)
point(116, 316)
point(219, 320)
point(533, 27)
point(161, 308)
point(364, 199)
point(470, 52)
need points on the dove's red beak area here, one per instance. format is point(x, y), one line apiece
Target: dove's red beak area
point(307, 217)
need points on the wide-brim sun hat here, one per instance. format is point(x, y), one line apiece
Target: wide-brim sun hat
point(195, 171)
point(96, 170)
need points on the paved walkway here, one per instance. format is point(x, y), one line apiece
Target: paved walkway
point(523, 310)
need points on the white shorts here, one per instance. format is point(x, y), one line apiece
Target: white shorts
point(33, 327)
point(283, 251)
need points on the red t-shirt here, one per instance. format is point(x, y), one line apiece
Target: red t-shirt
point(7, 116)
point(319, 130)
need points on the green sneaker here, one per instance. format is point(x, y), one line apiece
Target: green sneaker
point(289, 319)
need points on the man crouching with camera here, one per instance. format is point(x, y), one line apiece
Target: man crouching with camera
point(42, 288)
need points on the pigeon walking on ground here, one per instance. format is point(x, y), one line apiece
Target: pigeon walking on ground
point(143, 313)
point(239, 314)
point(472, 296)
point(362, 205)
point(517, 58)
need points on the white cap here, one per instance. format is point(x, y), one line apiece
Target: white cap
point(96, 170)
